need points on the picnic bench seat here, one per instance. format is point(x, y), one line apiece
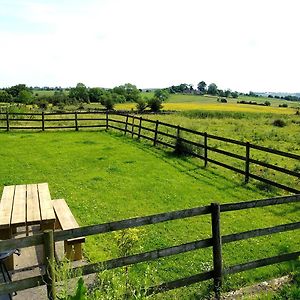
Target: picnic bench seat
point(65, 220)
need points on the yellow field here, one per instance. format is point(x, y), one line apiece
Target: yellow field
point(216, 107)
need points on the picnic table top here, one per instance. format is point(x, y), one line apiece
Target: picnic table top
point(26, 204)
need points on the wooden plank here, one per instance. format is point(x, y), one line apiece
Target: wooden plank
point(33, 240)
point(19, 285)
point(47, 212)
point(259, 232)
point(261, 263)
point(6, 205)
point(274, 151)
point(276, 168)
point(223, 139)
point(19, 206)
point(33, 205)
point(130, 223)
point(260, 203)
point(64, 214)
point(183, 282)
point(278, 185)
point(142, 257)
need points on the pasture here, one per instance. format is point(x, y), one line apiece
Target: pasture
point(105, 177)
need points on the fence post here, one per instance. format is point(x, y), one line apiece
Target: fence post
point(76, 121)
point(247, 162)
point(205, 149)
point(140, 127)
point(49, 261)
point(43, 121)
point(7, 121)
point(132, 127)
point(126, 125)
point(217, 248)
point(155, 133)
point(107, 120)
point(177, 145)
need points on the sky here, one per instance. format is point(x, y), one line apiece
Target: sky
point(244, 45)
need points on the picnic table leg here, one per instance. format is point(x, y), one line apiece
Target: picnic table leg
point(6, 234)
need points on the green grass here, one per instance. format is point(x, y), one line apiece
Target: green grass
point(107, 177)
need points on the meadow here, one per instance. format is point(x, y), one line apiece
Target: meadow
point(105, 176)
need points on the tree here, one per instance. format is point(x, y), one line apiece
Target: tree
point(108, 101)
point(95, 94)
point(129, 91)
point(25, 97)
point(202, 87)
point(79, 93)
point(234, 94)
point(212, 89)
point(155, 104)
point(5, 96)
point(141, 105)
point(162, 95)
point(227, 93)
point(16, 89)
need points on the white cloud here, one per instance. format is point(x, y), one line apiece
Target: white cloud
point(241, 45)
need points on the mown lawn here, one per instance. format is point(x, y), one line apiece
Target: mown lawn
point(107, 177)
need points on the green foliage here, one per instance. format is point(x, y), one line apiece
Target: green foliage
point(201, 87)
point(108, 102)
point(5, 97)
point(267, 103)
point(25, 97)
point(279, 123)
point(42, 104)
point(155, 104)
point(16, 89)
point(80, 93)
point(212, 89)
point(127, 240)
point(162, 95)
point(234, 95)
point(95, 94)
point(129, 91)
point(283, 105)
point(141, 104)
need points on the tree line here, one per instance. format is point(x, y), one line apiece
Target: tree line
point(202, 89)
point(81, 94)
point(128, 92)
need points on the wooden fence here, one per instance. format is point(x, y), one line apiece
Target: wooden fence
point(48, 238)
point(158, 133)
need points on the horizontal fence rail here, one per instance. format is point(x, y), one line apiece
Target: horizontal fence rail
point(158, 133)
point(215, 210)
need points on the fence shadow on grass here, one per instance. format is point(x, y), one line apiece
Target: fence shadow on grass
point(192, 168)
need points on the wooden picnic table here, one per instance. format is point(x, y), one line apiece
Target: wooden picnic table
point(25, 205)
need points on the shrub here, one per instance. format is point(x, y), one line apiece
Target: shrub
point(42, 104)
point(108, 103)
point(279, 123)
point(267, 103)
point(283, 105)
point(223, 100)
point(155, 104)
point(141, 105)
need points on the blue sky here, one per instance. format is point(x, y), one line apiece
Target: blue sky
point(242, 45)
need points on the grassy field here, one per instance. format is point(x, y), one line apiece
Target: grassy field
point(180, 102)
point(192, 102)
point(106, 177)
